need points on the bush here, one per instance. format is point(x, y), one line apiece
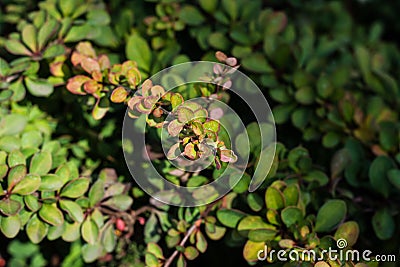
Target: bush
point(69, 70)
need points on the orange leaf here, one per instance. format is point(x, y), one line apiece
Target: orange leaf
point(119, 95)
point(74, 84)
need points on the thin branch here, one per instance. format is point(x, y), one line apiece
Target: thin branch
point(182, 243)
point(189, 232)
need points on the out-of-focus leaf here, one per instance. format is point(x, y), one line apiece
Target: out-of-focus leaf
point(40, 87)
point(36, 229)
point(138, 50)
point(330, 215)
point(383, 224)
point(10, 226)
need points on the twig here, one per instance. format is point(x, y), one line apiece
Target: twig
point(182, 243)
point(189, 232)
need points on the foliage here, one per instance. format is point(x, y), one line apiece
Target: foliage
point(69, 69)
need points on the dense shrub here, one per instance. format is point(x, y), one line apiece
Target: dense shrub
point(70, 69)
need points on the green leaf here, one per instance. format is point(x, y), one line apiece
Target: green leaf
point(109, 239)
point(394, 177)
point(89, 231)
point(208, 5)
point(36, 229)
point(273, 217)
point(15, 175)
point(191, 15)
point(251, 249)
point(96, 192)
point(64, 173)
point(201, 242)
point(17, 48)
point(91, 252)
point(181, 261)
point(256, 62)
point(231, 7)
point(3, 171)
point(9, 143)
point(138, 50)
point(73, 210)
point(100, 108)
point(291, 215)
point(71, 232)
point(155, 249)
point(383, 224)
point(51, 214)
point(115, 189)
point(317, 176)
point(339, 162)
point(32, 202)
point(219, 41)
point(330, 139)
point(330, 215)
point(119, 202)
point(48, 29)
point(212, 126)
point(255, 202)
point(191, 253)
point(297, 157)
point(348, 231)
point(274, 199)
point(253, 222)
point(292, 195)
point(29, 35)
point(4, 67)
point(54, 50)
point(98, 17)
point(12, 124)
point(41, 163)
point(388, 135)
point(215, 234)
point(39, 87)
point(377, 175)
point(10, 207)
point(31, 139)
point(50, 182)
point(98, 217)
point(151, 260)
point(18, 89)
point(55, 232)
point(75, 188)
point(229, 217)
point(5, 94)
point(67, 7)
point(27, 185)
point(363, 59)
point(176, 100)
point(305, 95)
point(78, 33)
point(10, 226)
point(260, 235)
